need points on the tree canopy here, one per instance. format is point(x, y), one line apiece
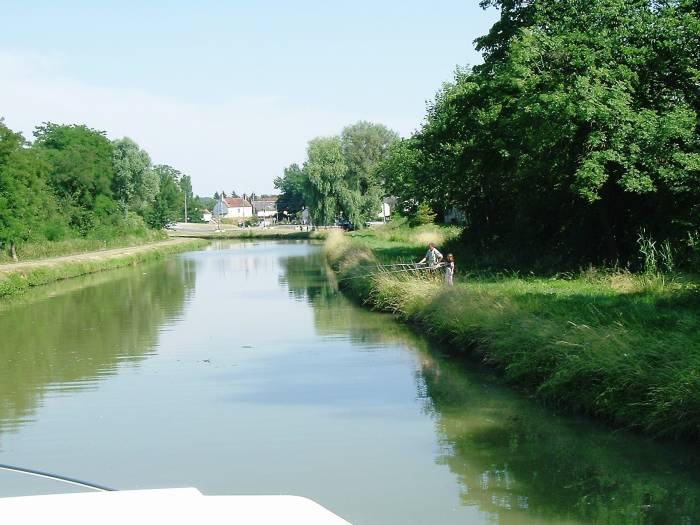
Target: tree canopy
point(73, 181)
point(339, 178)
point(567, 140)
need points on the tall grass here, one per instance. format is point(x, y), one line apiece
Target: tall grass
point(616, 345)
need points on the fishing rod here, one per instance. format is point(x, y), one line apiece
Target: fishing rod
point(414, 269)
point(394, 265)
point(55, 477)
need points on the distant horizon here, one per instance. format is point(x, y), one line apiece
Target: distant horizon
point(230, 95)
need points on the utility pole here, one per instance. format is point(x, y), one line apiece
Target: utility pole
point(185, 207)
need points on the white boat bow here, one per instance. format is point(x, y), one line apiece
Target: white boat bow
point(163, 506)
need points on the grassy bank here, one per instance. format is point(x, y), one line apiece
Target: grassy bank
point(622, 347)
point(43, 250)
point(15, 281)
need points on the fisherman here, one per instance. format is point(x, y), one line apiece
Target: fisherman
point(433, 257)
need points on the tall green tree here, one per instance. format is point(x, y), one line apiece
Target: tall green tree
point(135, 184)
point(325, 183)
point(194, 206)
point(568, 140)
point(167, 205)
point(291, 187)
point(365, 145)
point(80, 168)
point(25, 200)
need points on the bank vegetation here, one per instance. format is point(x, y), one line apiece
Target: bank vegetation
point(71, 189)
point(619, 346)
point(18, 278)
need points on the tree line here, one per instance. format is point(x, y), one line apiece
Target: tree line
point(72, 181)
point(577, 139)
point(339, 178)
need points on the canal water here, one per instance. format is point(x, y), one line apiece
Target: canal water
point(239, 369)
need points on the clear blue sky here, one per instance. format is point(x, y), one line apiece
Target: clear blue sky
point(230, 92)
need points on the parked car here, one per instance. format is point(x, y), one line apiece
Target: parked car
point(344, 224)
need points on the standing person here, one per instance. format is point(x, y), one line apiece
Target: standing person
point(449, 269)
point(432, 256)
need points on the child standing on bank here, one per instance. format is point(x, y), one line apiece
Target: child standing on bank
point(449, 269)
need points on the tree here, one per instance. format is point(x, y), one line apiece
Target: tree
point(365, 145)
point(340, 176)
point(567, 141)
point(423, 215)
point(167, 205)
point(79, 168)
point(325, 186)
point(291, 186)
point(25, 200)
point(135, 185)
point(191, 208)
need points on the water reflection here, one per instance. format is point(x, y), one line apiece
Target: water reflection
point(513, 459)
point(267, 380)
point(65, 336)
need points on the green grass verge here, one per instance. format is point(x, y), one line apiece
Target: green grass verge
point(19, 282)
point(48, 249)
point(619, 346)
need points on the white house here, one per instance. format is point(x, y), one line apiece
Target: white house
point(387, 204)
point(206, 215)
point(237, 208)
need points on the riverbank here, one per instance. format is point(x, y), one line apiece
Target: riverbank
point(17, 278)
point(621, 347)
point(205, 231)
point(33, 251)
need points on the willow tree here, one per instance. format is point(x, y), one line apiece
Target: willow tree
point(325, 186)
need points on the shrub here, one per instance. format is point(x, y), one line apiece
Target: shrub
point(424, 214)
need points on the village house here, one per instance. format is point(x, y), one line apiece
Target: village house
point(206, 215)
point(238, 208)
point(265, 208)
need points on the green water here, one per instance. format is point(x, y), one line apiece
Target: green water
point(240, 370)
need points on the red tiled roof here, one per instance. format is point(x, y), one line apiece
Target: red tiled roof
point(237, 202)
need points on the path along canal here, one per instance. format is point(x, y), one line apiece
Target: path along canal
point(239, 369)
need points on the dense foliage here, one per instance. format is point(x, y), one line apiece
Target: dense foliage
point(339, 180)
point(577, 135)
point(74, 182)
point(291, 186)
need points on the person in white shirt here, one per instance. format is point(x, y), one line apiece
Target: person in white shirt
point(433, 257)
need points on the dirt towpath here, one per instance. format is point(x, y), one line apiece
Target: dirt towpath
point(101, 255)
